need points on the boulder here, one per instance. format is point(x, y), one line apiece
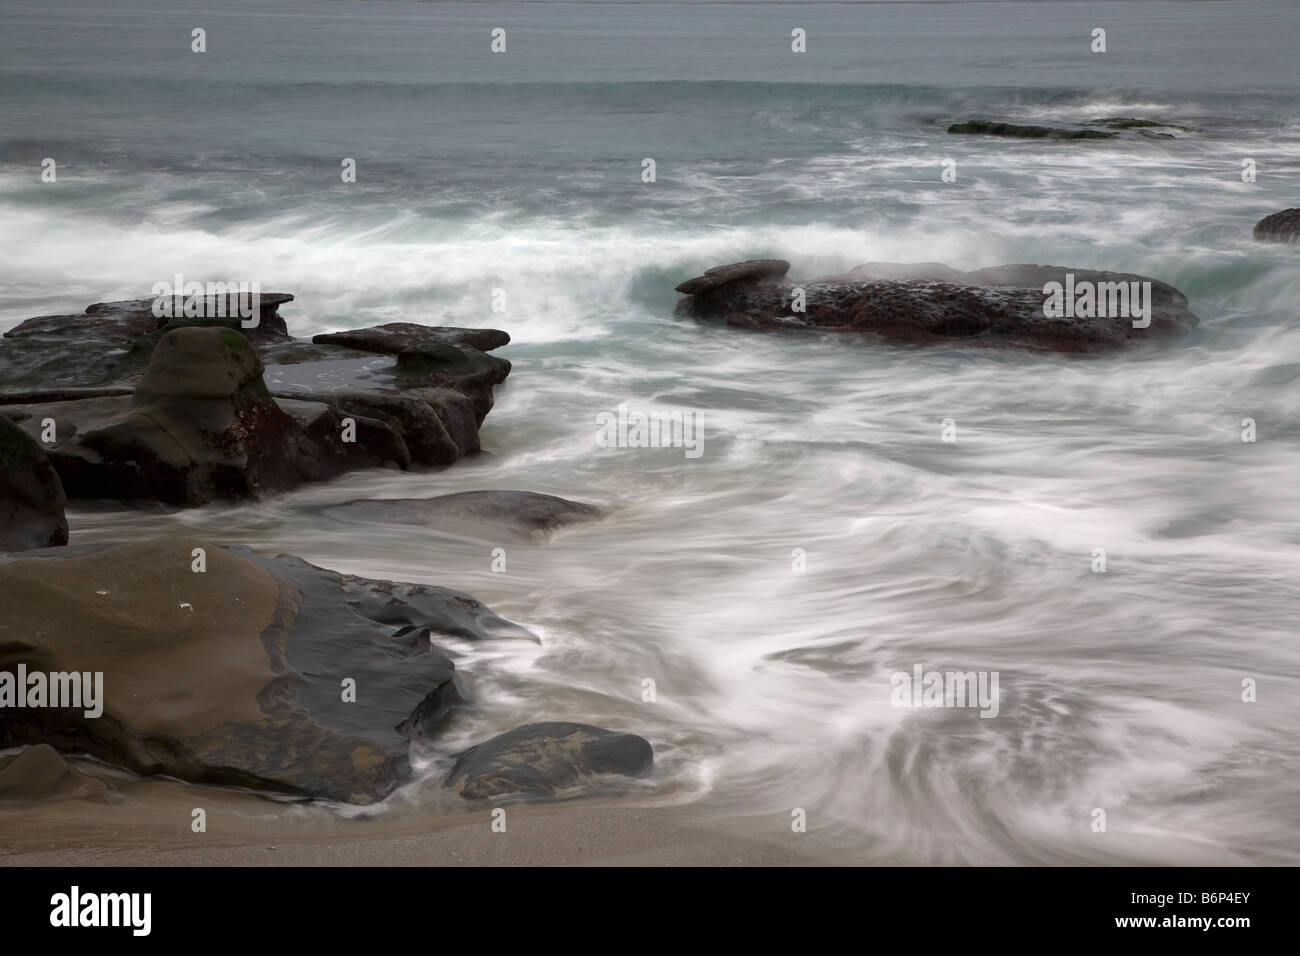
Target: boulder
point(1281, 226)
point(546, 760)
point(991, 128)
point(748, 271)
point(240, 413)
point(109, 345)
point(31, 494)
point(394, 337)
point(38, 775)
point(458, 367)
point(522, 515)
point(237, 674)
point(929, 304)
point(202, 426)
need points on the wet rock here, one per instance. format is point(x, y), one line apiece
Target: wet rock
point(395, 337)
point(441, 611)
point(928, 304)
point(457, 367)
point(31, 494)
point(237, 675)
point(750, 269)
point(990, 128)
point(524, 515)
point(1129, 122)
point(1281, 226)
point(416, 398)
point(201, 426)
point(108, 345)
point(39, 775)
point(547, 759)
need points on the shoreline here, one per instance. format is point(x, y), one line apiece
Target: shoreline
point(144, 823)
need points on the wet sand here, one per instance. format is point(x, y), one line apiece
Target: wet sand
point(147, 823)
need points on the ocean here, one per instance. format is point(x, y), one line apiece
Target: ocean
point(827, 538)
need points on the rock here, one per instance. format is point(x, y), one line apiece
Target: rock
point(458, 367)
point(926, 304)
point(31, 494)
point(1142, 125)
point(109, 345)
point(201, 426)
point(523, 515)
point(38, 775)
point(545, 759)
point(413, 606)
point(750, 269)
point(1281, 226)
point(989, 128)
point(394, 337)
point(235, 675)
point(416, 399)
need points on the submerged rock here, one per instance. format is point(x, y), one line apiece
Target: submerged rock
point(520, 514)
point(990, 128)
point(31, 495)
point(267, 673)
point(928, 303)
point(545, 759)
point(1281, 226)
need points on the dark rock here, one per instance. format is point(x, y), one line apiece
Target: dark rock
point(524, 515)
point(407, 606)
point(31, 495)
point(458, 367)
point(394, 337)
point(932, 304)
point(201, 426)
point(750, 269)
point(545, 759)
point(235, 675)
point(1128, 122)
point(47, 395)
point(1281, 226)
point(38, 775)
point(417, 398)
point(109, 345)
point(989, 128)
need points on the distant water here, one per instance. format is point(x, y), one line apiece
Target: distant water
point(522, 171)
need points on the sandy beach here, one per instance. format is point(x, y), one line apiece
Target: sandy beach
point(143, 823)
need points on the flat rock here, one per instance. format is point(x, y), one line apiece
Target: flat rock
point(1281, 226)
point(749, 270)
point(394, 337)
point(235, 675)
point(991, 128)
point(547, 759)
point(109, 344)
point(931, 304)
point(524, 515)
point(413, 397)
